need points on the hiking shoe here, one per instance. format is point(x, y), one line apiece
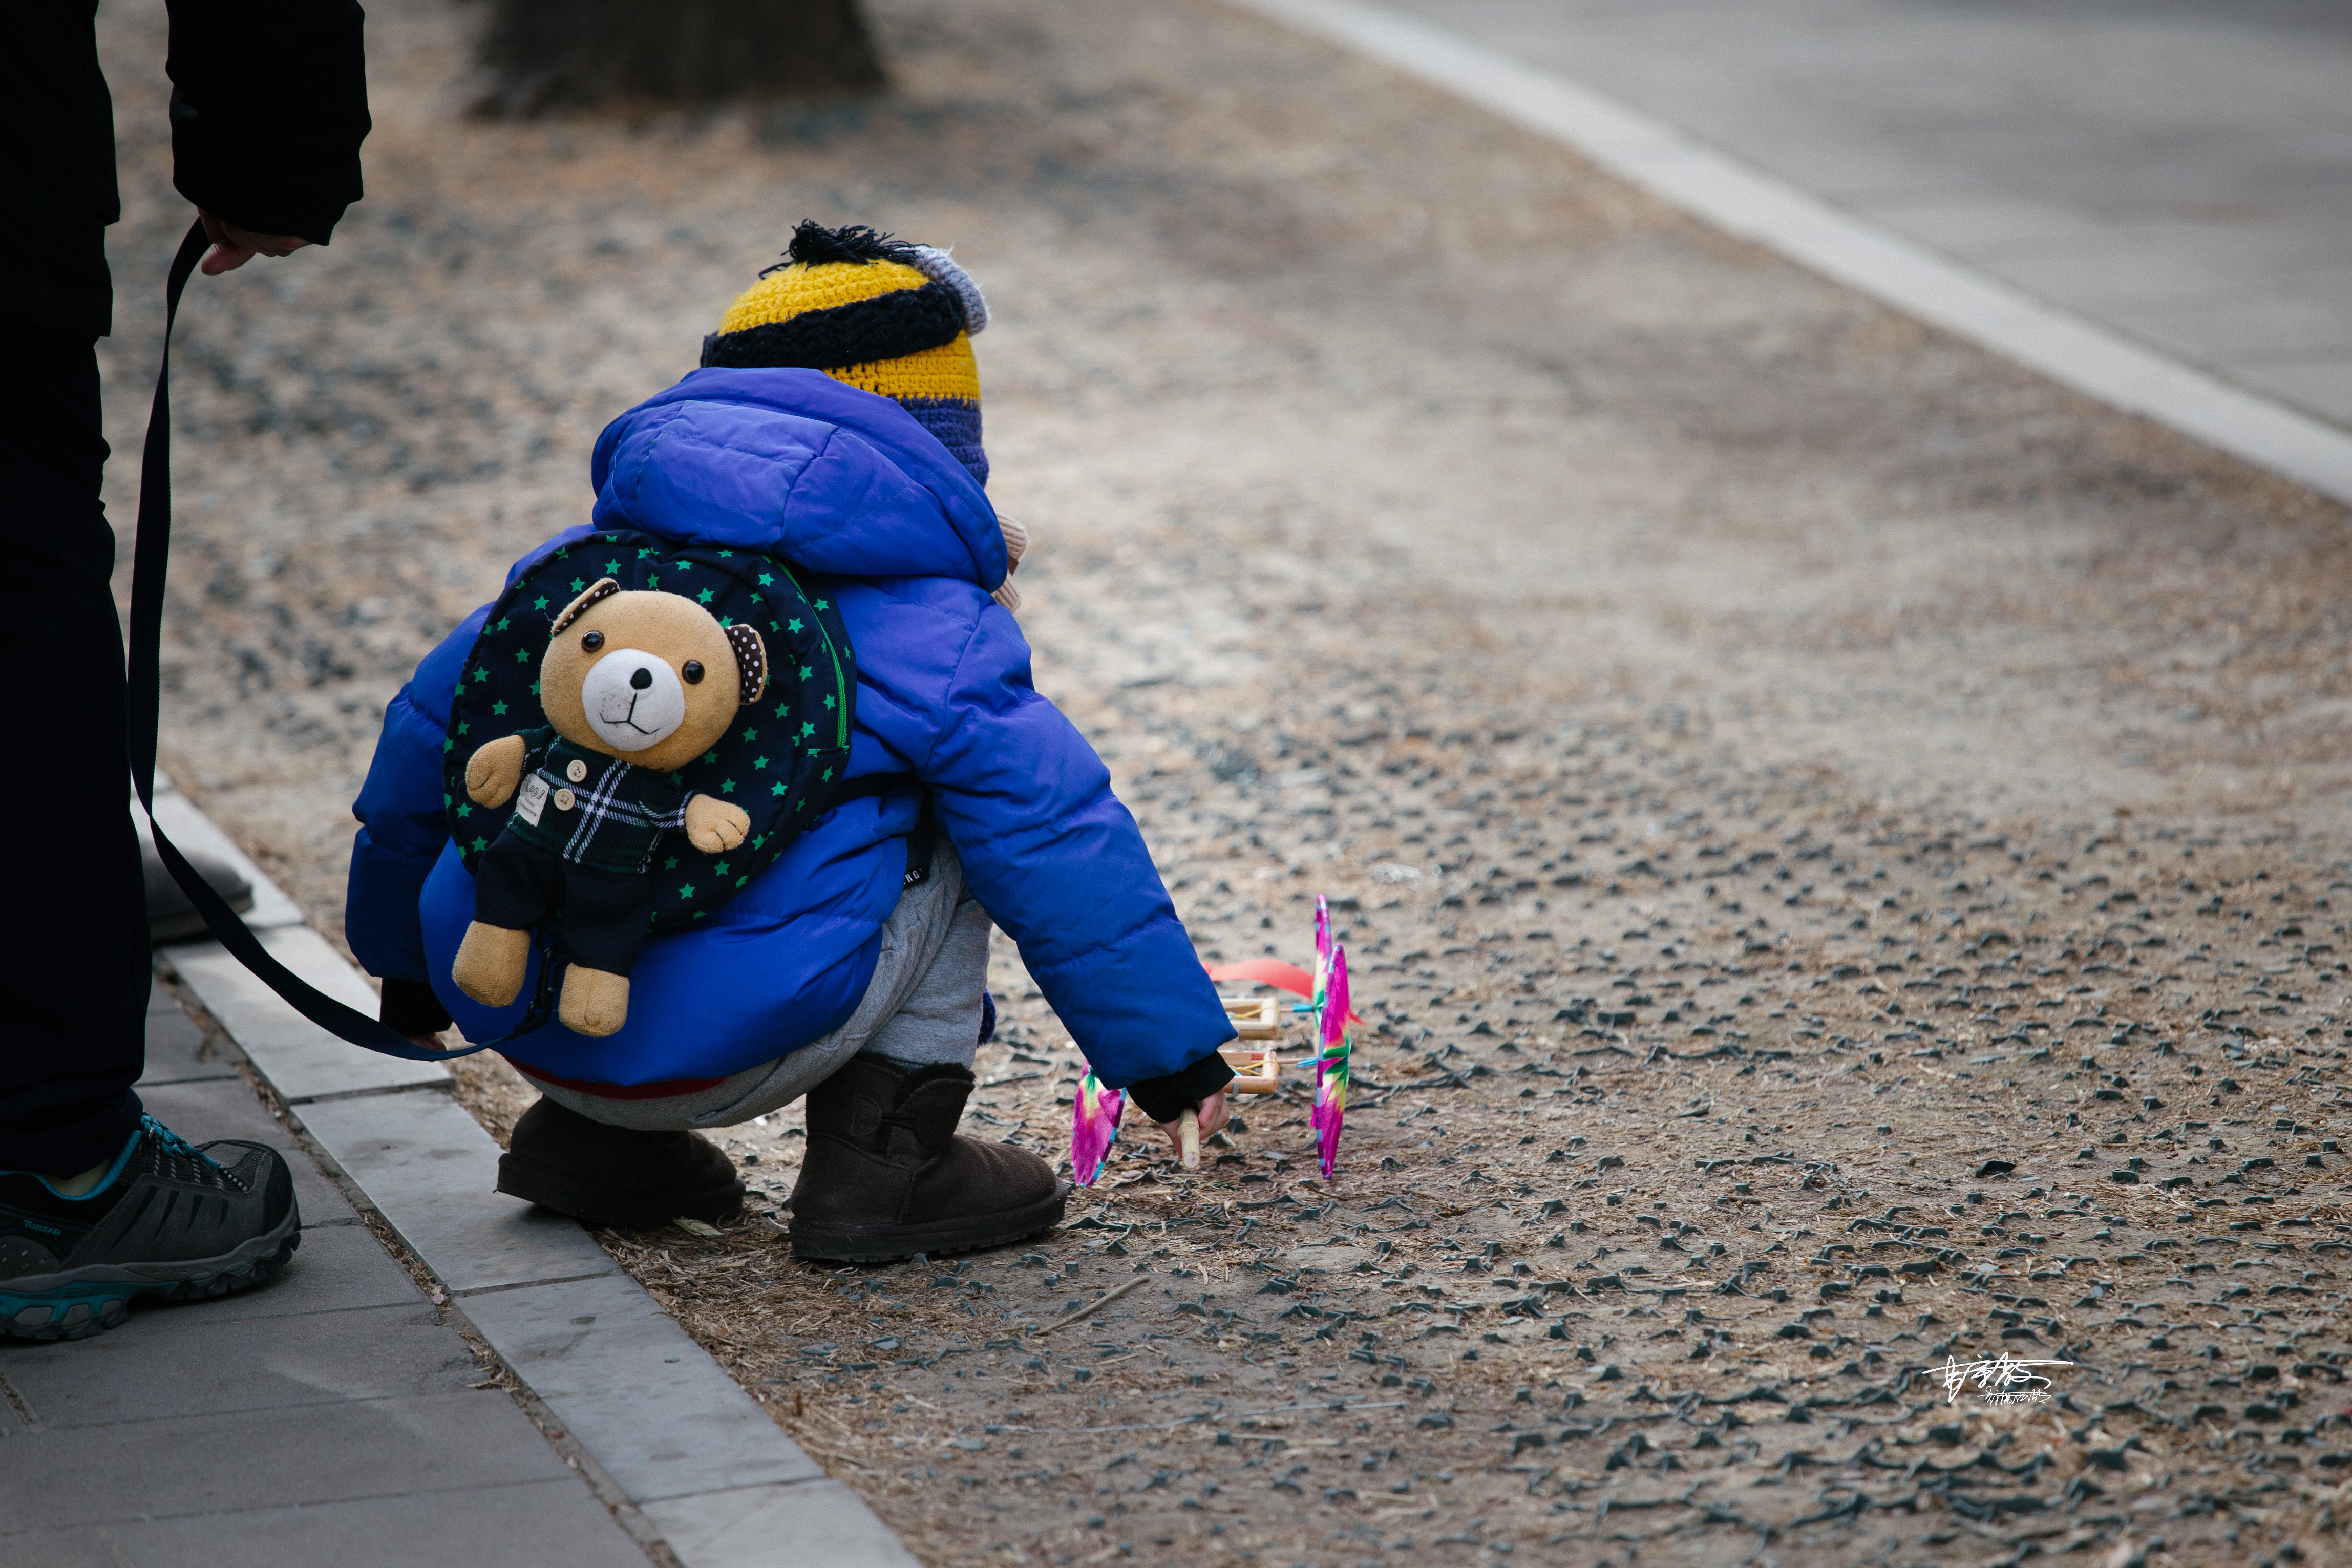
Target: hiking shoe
point(602, 1175)
point(170, 1220)
point(885, 1176)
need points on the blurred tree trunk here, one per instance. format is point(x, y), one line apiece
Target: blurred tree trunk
point(552, 52)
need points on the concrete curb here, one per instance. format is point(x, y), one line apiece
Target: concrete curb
point(1671, 164)
point(676, 1436)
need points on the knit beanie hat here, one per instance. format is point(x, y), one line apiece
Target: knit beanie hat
point(880, 314)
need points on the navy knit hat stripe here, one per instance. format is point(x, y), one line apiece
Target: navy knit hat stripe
point(956, 422)
point(887, 326)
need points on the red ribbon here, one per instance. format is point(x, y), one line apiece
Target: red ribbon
point(1272, 972)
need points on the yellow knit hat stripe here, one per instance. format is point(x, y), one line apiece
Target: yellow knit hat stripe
point(794, 289)
point(948, 371)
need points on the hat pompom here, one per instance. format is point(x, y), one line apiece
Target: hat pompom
point(813, 243)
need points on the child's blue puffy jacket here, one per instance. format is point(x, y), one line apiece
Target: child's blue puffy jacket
point(847, 485)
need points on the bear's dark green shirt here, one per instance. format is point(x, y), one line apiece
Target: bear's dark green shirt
point(618, 812)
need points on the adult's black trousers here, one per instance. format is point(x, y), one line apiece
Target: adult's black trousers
point(268, 109)
point(72, 1035)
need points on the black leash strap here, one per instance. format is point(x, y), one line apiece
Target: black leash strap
point(153, 555)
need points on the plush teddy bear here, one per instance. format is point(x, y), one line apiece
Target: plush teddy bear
point(635, 685)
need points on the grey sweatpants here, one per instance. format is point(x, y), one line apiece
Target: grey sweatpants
point(923, 1006)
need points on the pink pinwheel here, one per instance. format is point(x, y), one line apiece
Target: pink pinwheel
point(1322, 989)
point(1322, 948)
point(1094, 1127)
point(1331, 1066)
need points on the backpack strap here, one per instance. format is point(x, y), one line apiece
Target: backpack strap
point(150, 558)
point(922, 839)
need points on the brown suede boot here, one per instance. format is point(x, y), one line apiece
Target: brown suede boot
point(600, 1175)
point(885, 1176)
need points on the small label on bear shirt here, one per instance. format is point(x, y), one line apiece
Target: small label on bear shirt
point(533, 800)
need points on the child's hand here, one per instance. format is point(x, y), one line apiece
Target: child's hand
point(1213, 1115)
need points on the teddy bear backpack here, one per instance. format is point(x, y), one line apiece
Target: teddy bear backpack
point(670, 717)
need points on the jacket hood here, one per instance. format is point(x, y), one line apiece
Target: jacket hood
point(795, 464)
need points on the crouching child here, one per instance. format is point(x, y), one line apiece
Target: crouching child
point(715, 806)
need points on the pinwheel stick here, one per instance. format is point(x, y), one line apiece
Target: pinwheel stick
point(1188, 1137)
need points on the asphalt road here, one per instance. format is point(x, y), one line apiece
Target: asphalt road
point(2181, 171)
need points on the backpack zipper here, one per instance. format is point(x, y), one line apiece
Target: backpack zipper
point(840, 688)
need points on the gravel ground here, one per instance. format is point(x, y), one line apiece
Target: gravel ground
point(1843, 844)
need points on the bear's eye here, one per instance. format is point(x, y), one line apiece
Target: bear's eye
point(593, 641)
point(693, 670)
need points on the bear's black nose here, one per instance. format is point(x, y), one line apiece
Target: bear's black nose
point(642, 679)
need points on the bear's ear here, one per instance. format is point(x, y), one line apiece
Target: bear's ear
point(603, 588)
point(751, 660)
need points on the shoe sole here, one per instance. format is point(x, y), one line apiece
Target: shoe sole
point(535, 1181)
point(891, 1243)
point(81, 1302)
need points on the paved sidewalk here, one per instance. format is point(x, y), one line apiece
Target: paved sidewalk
point(328, 1416)
point(307, 1420)
point(2180, 174)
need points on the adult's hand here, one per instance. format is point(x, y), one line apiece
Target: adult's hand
point(1213, 1115)
point(431, 1042)
point(234, 246)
